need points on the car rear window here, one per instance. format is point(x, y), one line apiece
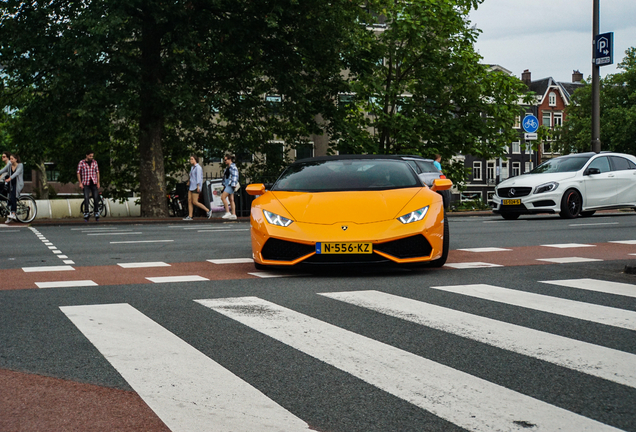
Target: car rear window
point(347, 175)
point(621, 164)
point(427, 167)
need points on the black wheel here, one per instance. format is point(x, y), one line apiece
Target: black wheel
point(588, 213)
point(571, 204)
point(91, 207)
point(26, 209)
point(258, 266)
point(445, 245)
point(102, 207)
point(510, 216)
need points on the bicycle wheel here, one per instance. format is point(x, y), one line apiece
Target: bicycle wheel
point(26, 209)
point(102, 207)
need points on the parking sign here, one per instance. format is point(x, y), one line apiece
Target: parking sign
point(603, 49)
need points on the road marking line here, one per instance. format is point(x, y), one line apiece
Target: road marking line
point(231, 261)
point(97, 229)
point(594, 224)
point(52, 247)
point(66, 284)
point(143, 264)
point(266, 275)
point(570, 308)
point(485, 249)
point(627, 242)
point(568, 260)
point(606, 363)
point(471, 265)
point(62, 256)
point(141, 241)
point(618, 288)
point(47, 243)
point(460, 398)
point(223, 230)
point(166, 279)
point(186, 389)
point(69, 262)
point(113, 233)
point(47, 268)
point(568, 245)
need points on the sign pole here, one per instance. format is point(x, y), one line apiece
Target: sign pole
point(596, 87)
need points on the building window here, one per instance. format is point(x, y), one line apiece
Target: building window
point(490, 171)
point(528, 167)
point(504, 174)
point(516, 169)
point(552, 99)
point(558, 119)
point(516, 147)
point(275, 152)
point(469, 196)
point(547, 119)
point(476, 170)
point(345, 101)
point(304, 151)
point(529, 148)
point(517, 122)
point(273, 104)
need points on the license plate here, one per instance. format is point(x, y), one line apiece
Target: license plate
point(344, 248)
point(511, 202)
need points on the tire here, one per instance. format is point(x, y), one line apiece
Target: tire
point(445, 246)
point(571, 204)
point(258, 266)
point(26, 210)
point(510, 216)
point(102, 207)
point(588, 213)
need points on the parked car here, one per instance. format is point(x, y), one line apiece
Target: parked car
point(428, 173)
point(353, 209)
point(573, 185)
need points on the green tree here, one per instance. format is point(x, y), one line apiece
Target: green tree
point(144, 83)
point(422, 89)
point(618, 112)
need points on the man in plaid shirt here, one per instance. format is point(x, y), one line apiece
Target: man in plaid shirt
point(88, 177)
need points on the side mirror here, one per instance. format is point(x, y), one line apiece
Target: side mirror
point(441, 184)
point(592, 171)
point(255, 189)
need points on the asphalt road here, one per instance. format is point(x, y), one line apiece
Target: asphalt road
point(484, 343)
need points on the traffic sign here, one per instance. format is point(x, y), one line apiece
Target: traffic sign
point(531, 136)
point(603, 49)
point(530, 123)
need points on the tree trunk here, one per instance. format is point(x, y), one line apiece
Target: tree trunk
point(152, 178)
point(42, 184)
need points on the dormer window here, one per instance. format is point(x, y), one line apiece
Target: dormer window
point(552, 99)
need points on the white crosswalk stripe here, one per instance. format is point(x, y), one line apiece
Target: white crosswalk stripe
point(185, 388)
point(570, 308)
point(190, 391)
point(463, 399)
point(584, 357)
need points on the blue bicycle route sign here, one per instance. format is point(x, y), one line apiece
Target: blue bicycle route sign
point(530, 124)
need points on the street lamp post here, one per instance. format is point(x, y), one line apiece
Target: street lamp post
point(596, 87)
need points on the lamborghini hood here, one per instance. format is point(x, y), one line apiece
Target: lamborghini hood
point(334, 207)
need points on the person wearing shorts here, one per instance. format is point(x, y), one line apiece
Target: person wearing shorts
point(195, 185)
point(230, 181)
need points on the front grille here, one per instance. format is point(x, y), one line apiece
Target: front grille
point(409, 247)
point(282, 250)
point(518, 192)
point(544, 203)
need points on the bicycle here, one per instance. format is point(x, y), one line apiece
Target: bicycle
point(91, 206)
point(26, 209)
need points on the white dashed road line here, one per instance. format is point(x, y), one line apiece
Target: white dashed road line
point(47, 268)
point(143, 264)
point(66, 284)
point(568, 260)
point(167, 279)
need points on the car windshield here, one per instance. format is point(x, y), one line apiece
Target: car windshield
point(347, 175)
point(567, 164)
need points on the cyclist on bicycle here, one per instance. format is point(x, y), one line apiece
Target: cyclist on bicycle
point(88, 177)
point(15, 180)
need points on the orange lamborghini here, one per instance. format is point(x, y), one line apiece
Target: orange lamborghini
point(353, 209)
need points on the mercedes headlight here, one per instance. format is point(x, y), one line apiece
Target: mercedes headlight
point(277, 220)
point(546, 187)
point(414, 216)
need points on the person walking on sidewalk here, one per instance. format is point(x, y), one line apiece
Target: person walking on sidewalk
point(15, 181)
point(88, 177)
point(231, 182)
point(195, 183)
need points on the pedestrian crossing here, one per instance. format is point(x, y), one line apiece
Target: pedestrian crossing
point(190, 390)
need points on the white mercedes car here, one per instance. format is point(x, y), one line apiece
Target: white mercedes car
point(573, 185)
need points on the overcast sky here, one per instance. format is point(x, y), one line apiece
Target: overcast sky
point(551, 37)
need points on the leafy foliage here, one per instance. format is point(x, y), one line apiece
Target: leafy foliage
point(618, 112)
